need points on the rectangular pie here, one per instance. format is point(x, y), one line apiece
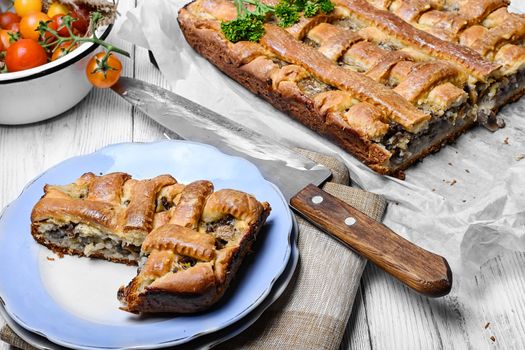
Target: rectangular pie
point(188, 240)
point(383, 90)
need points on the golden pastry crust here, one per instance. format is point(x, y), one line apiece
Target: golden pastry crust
point(485, 26)
point(197, 241)
point(348, 78)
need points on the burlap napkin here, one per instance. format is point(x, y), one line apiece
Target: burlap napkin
point(313, 311)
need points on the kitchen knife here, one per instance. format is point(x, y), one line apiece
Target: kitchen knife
point(298, 178)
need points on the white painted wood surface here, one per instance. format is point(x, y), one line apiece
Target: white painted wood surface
point(386, 315)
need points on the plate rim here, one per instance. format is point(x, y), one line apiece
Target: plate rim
point(181, 340)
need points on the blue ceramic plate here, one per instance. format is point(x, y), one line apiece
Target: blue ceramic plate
point(72, 301)
point(206, 341)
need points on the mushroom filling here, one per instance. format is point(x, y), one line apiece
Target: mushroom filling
point(87, 240)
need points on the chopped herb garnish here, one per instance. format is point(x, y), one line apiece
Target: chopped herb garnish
point(249, 25)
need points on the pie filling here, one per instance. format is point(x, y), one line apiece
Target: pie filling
point(224, 231)
point(495, 96)
point(406, 146)
point(81, 239)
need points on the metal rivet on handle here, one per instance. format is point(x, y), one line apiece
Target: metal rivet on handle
point(317, 199)
point(350, 221)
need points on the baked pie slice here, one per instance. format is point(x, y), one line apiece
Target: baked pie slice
point(188, 240)
point(383, 90)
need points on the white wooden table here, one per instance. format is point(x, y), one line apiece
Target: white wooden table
point(386, 315)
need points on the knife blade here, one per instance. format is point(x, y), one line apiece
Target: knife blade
point(298, 178)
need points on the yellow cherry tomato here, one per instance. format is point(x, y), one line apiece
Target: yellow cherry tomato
point(27, 7)
point(29, 24)
point(57, 9)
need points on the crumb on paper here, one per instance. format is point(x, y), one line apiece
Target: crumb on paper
point(433, 190)
point(506, 141)
point(60, 254)
point(493, 338)
point(464, 200)
point(487, 325)
point(453, 182)
point(449, 163)
point(467, 171)
point(519, 157)
point(50, 258)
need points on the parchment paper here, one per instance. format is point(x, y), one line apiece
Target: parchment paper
point(467, 202)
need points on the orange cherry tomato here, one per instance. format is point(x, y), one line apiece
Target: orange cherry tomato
point(29, 24)
point(63, 50)
point(24, 54)
point(6, 38)
point(27, 7)
point(57, 8)
point(103, 77)
point(7, 19)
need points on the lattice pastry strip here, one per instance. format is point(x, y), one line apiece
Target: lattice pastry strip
point(486, 26)
point(190, 239)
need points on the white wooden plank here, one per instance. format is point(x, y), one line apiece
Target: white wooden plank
point(357, 334)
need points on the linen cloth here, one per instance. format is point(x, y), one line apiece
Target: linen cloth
point(313, 311)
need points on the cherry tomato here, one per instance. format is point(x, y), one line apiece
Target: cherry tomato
point(62, 50)
point(7, 19)
point(27, 7)
point(29, 24)
point(15, 27)
point(61, 29)
point(6, 38)
point(24, 54)
point(82, 20)
point(1, 46)
point(57, 8)
point(48, 37)
point(103, 77)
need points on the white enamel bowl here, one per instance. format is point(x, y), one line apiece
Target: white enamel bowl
point(46, 91)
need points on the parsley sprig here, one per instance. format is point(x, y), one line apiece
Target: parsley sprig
point(249, 25)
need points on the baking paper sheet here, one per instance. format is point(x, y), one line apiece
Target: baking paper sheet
point(467, 202)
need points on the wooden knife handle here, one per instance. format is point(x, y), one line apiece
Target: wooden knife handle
point(421, 270)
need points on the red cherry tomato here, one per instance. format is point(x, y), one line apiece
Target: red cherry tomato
point(48, 37)
point(82, 20)
point(29, 24)
point(7, 19)
point(24, 54)
point(103, 77)
point(61, 28)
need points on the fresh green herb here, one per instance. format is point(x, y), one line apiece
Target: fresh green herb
point(286, 13)
point(249, 25)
